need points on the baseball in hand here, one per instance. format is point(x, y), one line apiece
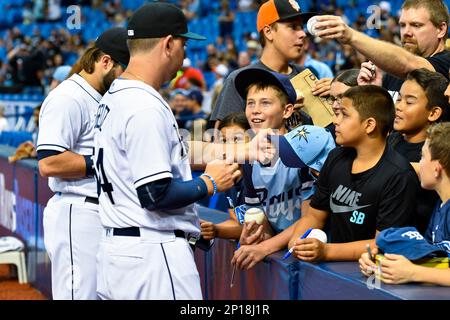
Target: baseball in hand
point(318, 234)
point(311, 25)
point(254, 214)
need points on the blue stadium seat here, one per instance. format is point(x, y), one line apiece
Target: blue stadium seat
point(14, 138)
point(210, 78)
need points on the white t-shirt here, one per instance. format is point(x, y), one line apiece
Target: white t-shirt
point(137, 142)
point(66, 122)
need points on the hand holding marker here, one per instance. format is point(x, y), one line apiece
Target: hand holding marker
point(311, 233)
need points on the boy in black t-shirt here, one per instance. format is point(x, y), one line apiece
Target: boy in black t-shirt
point(420, 103)
point(364, 186)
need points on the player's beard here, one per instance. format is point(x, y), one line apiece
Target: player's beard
point(108, 80)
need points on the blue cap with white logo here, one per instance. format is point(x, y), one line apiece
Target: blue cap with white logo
point(408, 242)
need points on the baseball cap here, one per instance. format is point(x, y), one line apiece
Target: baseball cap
point(249, 76)
point(196, 95)
point(408, 242)
point(157, 20)
point(114, 42)
point(179, 91)
point(61, 73)
point(10, 244)
point(278, 10)
point(305, 146)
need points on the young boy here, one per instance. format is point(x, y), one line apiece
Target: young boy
point(364, 186)
point(434, 168)
point(281, 192)
point(421, 102)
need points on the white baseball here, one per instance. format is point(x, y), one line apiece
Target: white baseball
point(311, 25)
point(318, 234)
point(254, 214)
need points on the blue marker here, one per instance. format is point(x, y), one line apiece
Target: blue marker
point(288, 254)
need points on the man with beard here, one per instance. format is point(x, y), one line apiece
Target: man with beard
point(72, 228)
point(423, 31)
point(280, 25)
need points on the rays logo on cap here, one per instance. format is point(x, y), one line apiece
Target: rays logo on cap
point(131, 33)
point(302, 133)
point(412, 235)
point(294, 5)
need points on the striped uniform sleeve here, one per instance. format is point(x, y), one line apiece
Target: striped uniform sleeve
point(149, 138)
point(60, 124)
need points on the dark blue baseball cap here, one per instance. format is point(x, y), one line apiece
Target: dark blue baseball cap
point(157, 20)
point(250, 76)
point(196, 95)
point(407, 242)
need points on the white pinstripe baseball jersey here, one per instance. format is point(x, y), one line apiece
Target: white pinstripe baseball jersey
point(66, 122)
point(137, 142)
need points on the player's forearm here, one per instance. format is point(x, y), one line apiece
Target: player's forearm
point(431, 275)
point(66, 165)
point(387, 56)
point(349, 251)
point(204, 152)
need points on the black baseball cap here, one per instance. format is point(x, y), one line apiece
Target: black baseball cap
point(114, 42)
point(157, 20)
point(279, 10)
point(250, 76)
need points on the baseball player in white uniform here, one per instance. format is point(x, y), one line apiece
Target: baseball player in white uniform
point(146, 203)
point(72, 228)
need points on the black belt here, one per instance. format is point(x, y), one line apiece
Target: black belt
point(91, 200)
point(135, 232)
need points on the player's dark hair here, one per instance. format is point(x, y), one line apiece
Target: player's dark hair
point(235, 119)
point(373, 102)
point(90, 57)
point(439, 144)
point(434, 84)
point(348, 77)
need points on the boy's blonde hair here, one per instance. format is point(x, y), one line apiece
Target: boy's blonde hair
point(260, 86)
point(439, 144)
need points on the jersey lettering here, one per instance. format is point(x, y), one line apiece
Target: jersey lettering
point(106, 186)
point(102, 112)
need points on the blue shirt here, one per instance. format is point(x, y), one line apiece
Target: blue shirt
point(278, 191)
point(438, 231)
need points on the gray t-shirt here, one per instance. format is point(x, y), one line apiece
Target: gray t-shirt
point(230, 101)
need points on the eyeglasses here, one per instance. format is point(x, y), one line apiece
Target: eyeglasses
point(332, 99)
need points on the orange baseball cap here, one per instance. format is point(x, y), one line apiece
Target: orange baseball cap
point(277, 10)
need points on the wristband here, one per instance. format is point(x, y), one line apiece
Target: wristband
point(90, 171)
point(212, 181)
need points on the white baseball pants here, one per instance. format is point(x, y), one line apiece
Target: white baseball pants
point(156, 265)
point(72, 232)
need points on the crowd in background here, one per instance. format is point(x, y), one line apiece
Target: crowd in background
point(28, 59)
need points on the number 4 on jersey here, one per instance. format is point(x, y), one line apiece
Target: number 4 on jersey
point(106, 186)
